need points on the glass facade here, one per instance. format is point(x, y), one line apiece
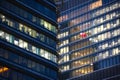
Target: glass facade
point(28, 40)
point(10, 74)
point(39, 7)
point(27, 46)
point(24, 14)
point(28, 63)
point(27, 30)
point(89, 37)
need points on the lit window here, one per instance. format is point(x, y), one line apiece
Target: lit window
point(21, 27)
point(3, 69)
point(25, 45)
point(46, 24)
point(42, 53)
point(42, 22)
point(30, 31)
point(3, 18)
point(16, 41)
point(21, 43)
point(37, 51)
point(49, 26)
point(7, 36)
point(1, 33)
point(46, 54)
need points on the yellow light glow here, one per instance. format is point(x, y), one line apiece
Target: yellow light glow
point(3, 69)
point(96, 4)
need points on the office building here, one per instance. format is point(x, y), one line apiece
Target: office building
point(89, 39)
point(28, 30)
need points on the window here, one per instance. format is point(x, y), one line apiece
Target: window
point(1, 34)
point(27, 46)
point(26, 15)
point(34, 19)
point(42, 52)
point(16, 41)
point(21, 43)
point(26, 62)
point(38, 51)
point(33, 49)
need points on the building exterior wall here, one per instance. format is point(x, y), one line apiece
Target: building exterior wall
point(28, 30)
point(89, 38)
